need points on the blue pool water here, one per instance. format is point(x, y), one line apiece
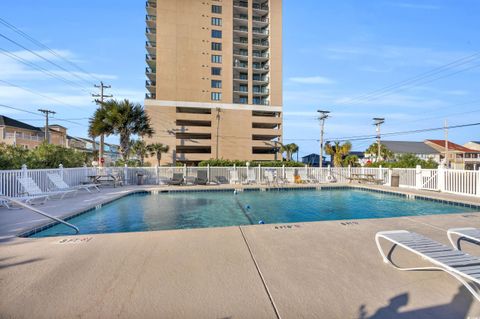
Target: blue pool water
point(146, 212)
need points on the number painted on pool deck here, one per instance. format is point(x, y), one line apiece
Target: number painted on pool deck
point(75, 240)
point(287, 226)
point(469, 216)
point(349, 223)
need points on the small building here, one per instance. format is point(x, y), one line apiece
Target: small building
point(419, 149)
point(458, 156)
point(13, 132)
point(473, 145)
point(313, 160)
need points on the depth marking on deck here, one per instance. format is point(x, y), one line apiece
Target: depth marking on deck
point(469, 216)
point(80, 240)
point(349, 223)
point(287, 226)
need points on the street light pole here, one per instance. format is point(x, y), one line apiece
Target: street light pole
point(378, 121)
point(323, 116)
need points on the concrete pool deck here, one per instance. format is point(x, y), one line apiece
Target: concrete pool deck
point(304, 270)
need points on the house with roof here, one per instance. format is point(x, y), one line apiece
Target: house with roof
point(13, 132)
point(313, 160)
point(419, 149)
point(457, 156)
point(473, 145)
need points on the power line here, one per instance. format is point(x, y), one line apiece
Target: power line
point(43, 58)
point(37, 114)
point(392, 88)
point(40, 44)
point(39, 68)
point(37, 93)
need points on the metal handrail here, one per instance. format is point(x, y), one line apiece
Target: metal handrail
point(38, 211)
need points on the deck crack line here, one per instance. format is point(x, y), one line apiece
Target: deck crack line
point(260, 274)
point(424, 223)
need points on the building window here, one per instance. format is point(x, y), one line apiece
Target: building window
point(216, 21)
point(216, 34)
point(216, 84)
point(216, 46)
point(216, 9)
point(216, 96)
point(216, 71)
point(216, 59)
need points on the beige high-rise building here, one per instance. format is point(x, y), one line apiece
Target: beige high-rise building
point(214, 78)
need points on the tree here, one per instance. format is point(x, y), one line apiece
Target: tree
point(385, 153)
point(121, 118)
point(156, 150)
point(290, 149)
point(140, 149)
point(337, 151)
point(351, 160)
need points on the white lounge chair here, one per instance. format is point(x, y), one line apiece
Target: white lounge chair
point(8, 202)
point(234, 177)
point(304, 177)
point(467, 233)
point(270, 178)
point(290, 176)
point(251, 177)
point(458, 264)
point(31, 188)
point(60, 184)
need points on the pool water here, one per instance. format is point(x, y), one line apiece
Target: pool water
point(147, 212)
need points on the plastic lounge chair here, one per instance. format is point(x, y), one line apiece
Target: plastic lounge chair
point(468, 234)
point(290, 176)
point(31, 188)
point(202, 178)
point(234, 177)
point(60, 184)
point(458, 264)
point(251, 177)
point(221, 180)
point(176, 180)
point(9, 204)
point(304, 177)
point(270, 178)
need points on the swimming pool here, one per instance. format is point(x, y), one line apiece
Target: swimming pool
point(182, 210)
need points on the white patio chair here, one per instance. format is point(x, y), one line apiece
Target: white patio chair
point(9, 203)
point(290, 176)
point(251, 177)
point(31, 188)
point(304, 177)
point(234, 177)
point(467, 233)
point(60, 184)
point(458, 264)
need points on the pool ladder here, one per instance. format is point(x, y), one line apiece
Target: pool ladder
point(38, 211)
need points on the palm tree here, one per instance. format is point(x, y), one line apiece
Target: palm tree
point(385, 153)
point(290, 149)
point(99, 127)
point(140, 149)
point(122, 118)
point(157, 149)
point(338, 151)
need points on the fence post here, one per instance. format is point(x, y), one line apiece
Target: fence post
point(259, 173)
point(441, 178)
point(283, 171)
point(208, 173)
point(418, 177)
point(185, 170)
point(60, 167)
point(349, 172)
point(24, 171)
point(390, 171)
point(380, 170)
point(478, 184)
point(125, 173)
point(85, 171)
point(157, 173)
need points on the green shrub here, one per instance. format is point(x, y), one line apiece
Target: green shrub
point(228, 163)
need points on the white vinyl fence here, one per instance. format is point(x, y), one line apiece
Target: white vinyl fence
point(451, 181)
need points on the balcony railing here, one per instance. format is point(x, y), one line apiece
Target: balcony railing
point(240, 28)
point(150, 83)
point(151, 4)
point(261, 67)
point(240, 40)
point(150, 30)
point(150, 17)
point(240, 65)
point(150, 96)
point(260, 31)
point(240, 16)
point(150, 71)
point(240, 101)
point(242, 89)
point(260, 102)
point(260, 19)
point(261, 91)
point(240, 78)
point(242, 4)
point(261, 43)
point(260, 54)
point(261, 78)
point(150, 57)
point(240, 52)
point(150, 44)
point(24, 136)
point(260, 6)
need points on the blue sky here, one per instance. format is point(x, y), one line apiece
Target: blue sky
point(334, 51)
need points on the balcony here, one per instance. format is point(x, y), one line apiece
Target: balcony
point(260, 102)
point(150, 85)
point(260, 31)
point(241, 52)
point(240, 89)
point(261, 91)
point(150, 73)
point(260, 6)
point(260, 20)
point(151, 7)
point(150, 96)
point(260, 79)
point(260, 67)
point(151, 33)
point(243, 100)
point(240, 17)
point(260, 43)
point(240, 29)
point(240, 65)
point(240, 4)
point(24, 136)
point(150, 46)
point(240, 78)
point(241, 41)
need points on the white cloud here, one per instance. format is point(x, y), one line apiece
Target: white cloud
point(312, 80)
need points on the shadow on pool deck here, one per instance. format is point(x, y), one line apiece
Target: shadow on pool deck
point(457, 308)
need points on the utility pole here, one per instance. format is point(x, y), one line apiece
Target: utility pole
point(323, 116)
point(446, 143)
point(99, 101)
point(47, 130)
point(378, 121)
point(218, 130)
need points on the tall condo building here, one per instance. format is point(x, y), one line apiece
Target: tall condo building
point(214, 78)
